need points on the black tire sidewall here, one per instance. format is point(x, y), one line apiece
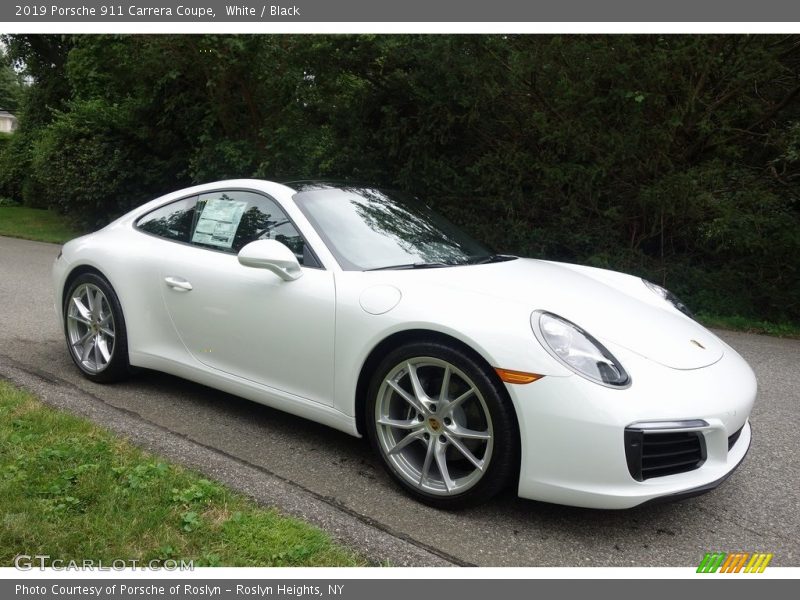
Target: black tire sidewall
point(504, 464)
point(118, 368)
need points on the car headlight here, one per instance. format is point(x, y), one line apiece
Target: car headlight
point(669, 297)
point(577, 350)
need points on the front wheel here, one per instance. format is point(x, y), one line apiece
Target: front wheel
point(95, 329)
point(443, 425)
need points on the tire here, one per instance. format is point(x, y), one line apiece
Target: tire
point(94, 328)
point(466, 427)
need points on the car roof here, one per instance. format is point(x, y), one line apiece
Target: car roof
point(307, 185)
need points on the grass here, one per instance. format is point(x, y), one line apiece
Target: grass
point(74, 491)
point(35, 224)
point(736, 323)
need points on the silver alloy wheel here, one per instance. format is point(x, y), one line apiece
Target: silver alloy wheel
point(433, 426)
point(90, 328)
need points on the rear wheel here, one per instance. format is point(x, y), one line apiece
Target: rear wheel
point(443, 425)
point(95, 329)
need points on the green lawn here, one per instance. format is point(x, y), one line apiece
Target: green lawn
point(35, 224)
point(74, 491)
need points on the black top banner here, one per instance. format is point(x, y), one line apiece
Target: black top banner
point(461, 11)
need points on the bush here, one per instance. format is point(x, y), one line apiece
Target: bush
point(88, 163)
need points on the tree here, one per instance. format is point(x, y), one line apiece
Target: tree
point(674, 157)
point(10, 89)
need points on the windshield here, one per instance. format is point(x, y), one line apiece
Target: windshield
point(367, 228)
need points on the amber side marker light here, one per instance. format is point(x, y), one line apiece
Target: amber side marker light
point(517, 376)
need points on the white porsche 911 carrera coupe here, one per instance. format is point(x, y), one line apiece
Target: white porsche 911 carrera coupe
point(364, 310)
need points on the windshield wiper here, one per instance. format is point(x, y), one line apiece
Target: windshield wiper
point(416, 265)
point(477, 260)
point(492, 258)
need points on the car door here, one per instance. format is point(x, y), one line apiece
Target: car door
point(245, 321)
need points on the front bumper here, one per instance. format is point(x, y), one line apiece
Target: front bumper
point(573, 431)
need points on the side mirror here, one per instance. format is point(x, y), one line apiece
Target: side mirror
point(271, 255)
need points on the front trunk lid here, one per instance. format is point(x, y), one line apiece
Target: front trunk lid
point(611, 306)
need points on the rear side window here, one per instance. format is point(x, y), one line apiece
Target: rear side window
point(173, 221)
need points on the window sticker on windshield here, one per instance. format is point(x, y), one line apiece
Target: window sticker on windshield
point(218, 222)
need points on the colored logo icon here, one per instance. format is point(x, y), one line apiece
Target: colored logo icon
point(736, 562)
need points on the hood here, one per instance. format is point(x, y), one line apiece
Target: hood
point(613, 307)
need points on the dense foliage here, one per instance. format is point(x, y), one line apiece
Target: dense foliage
point(10, 88)
point(675, 157)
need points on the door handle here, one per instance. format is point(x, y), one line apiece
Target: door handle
point(178, 283)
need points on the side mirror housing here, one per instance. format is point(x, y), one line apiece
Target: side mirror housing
point(273, 256)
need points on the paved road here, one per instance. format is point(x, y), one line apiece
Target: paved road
point(756, 510)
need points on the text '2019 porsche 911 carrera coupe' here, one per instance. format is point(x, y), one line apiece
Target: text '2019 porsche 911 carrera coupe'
point(364, 310)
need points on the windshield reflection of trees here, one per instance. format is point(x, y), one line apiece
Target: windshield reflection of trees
point(413, 228)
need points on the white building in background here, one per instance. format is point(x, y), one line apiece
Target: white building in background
point(8, 122)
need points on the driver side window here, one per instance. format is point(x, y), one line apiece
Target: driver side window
point(229, 220)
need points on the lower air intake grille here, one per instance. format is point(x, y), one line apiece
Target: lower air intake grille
point(656, 454)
